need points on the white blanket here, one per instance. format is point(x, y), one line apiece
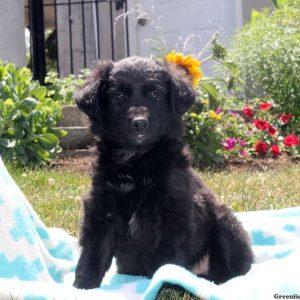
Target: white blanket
point(38, 263)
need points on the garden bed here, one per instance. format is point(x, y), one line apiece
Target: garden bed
point(84, 164)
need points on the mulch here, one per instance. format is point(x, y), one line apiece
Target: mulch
point(84, 164)
point(76, 164)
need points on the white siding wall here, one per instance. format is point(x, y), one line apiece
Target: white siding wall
point(181, 18)
point(12, 36)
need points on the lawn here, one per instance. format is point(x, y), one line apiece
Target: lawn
point(55, 195)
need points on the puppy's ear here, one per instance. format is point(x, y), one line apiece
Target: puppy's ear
point(88, 96)
point(183, 94)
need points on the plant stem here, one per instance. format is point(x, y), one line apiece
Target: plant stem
point(208, 58)
point(213, 79)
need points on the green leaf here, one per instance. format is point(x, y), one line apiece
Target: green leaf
point(28, 104)
point(280, 3)
point(256, 16)
point(40, 92)
point(2, 72)
point(8, 104)
point(15, 115)
point(213, 94)
point(233, 68)
point(16, 131)
point(59, 132)
point(40, 152)
point(48, 140)
point(11, 68)
point(25, 75)
point(15, 97)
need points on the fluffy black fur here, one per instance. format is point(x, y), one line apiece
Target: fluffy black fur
point(146, 207)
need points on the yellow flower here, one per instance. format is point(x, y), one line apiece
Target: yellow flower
point(193, 115)
point(214, 115)
point(204, 101)
point(190, 64)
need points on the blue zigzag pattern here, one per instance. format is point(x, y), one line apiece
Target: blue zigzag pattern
point(23, 227)
point(20, 268)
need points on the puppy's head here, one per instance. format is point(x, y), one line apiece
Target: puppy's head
point(136, 101)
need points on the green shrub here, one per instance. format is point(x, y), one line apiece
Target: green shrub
point(27, 117)
point(63, 90)
point(267, 53)
point(204, 135)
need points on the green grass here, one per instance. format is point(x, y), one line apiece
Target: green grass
point(245, 190)
point(174, 292)
point(55, 196)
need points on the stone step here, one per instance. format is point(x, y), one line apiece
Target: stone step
point(73, 117)
point(76, 153)
point(78, 137)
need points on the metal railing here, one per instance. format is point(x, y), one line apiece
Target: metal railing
point(81, 32)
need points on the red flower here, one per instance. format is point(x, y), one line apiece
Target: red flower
point(265, 106)
point(272, 130)
point(275, 150)
point(291, 140)
point(261, 147)
point(285, 118)
point(248, 112)
point(261, 124)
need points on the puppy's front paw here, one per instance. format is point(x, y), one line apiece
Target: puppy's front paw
point(86, 283)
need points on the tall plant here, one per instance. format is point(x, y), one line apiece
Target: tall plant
point(267, 52)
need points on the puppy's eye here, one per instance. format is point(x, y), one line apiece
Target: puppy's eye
point(154, 95)
point(120, 97)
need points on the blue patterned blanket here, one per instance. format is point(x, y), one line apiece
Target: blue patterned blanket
point(38, 263)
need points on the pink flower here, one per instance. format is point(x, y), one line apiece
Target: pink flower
point(261, 124)
point(218, 110)
point(275, 150)
point(229, 144)
point(285, 118)
point(272, 130)
point(261, 147)
point(242, 143)
point(291, 140)
point(243, 153)
point(248, 112)
point(265, 106)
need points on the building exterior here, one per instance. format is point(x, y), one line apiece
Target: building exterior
point(192, 21)
point(78, 28)
point(12, 37)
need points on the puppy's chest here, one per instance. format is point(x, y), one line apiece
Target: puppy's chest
point(137, 207)
point(132, 194)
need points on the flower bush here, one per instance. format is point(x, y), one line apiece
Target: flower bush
point(265, 132)
point(204, 122)
point(256, 130)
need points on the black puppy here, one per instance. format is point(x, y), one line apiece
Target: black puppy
point(146, 207)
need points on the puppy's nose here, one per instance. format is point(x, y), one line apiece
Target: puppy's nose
point(140, 123)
